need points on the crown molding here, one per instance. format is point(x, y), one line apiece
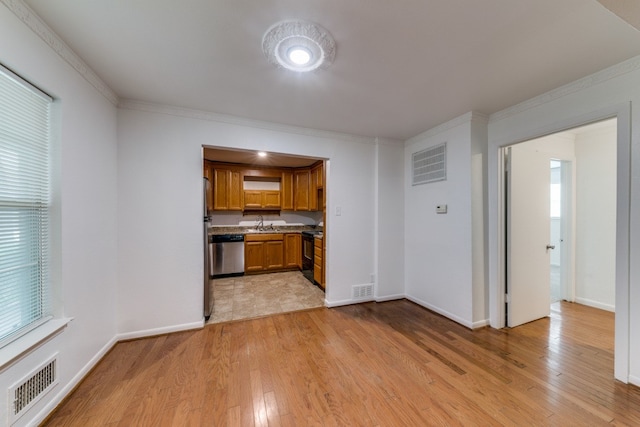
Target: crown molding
point(128, 104)
point(612, 72)
point(472, 116)
point(40, 28)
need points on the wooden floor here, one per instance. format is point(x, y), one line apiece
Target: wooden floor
point(388, 364)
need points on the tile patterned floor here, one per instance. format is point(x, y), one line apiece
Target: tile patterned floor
point(263, 294)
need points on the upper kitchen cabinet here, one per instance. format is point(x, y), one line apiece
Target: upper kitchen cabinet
point(301, 188)
point(227, 190)
point(286, 187)
point(316, 186)
point(262, 199)
point(262, 193)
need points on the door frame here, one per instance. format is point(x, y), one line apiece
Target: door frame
point(497, 222)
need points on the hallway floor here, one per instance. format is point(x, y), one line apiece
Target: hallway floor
point(246, 297)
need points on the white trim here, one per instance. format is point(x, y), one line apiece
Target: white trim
point(596, 304)
point(602, 76)
point(42, 30)
point(496, 222)
point(391, 298)
point(66, 390)
point(159, 331)
point(442, 312)
point(129, 104)
point(443, 127)
point(30, 341)
point(634, 380)
point(332, 304)
point(480, 324)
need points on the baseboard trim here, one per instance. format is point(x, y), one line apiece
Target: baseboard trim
point(332, 304)
point(444, 313)
point(159, 331)
point(480, 324)
point(596, 304)
point(634, 380)
point(75, 382)
point(390, 298)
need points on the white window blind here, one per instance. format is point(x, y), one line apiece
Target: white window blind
point(24, 206)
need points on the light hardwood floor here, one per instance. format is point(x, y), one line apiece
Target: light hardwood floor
point(387, 364)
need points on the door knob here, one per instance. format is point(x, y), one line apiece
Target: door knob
point(551, 247)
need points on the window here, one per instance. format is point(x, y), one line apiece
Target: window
point(24, 206)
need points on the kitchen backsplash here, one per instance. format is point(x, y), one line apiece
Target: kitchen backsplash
point(304, 218)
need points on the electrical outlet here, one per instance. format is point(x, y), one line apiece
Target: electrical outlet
point(441, 209)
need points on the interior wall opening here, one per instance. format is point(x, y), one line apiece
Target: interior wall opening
point(265, 228)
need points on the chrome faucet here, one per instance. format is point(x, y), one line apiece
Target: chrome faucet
point(260, 225)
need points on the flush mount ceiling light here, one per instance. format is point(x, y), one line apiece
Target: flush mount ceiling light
point(298, 46)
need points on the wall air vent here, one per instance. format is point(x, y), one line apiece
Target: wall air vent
point(362, 291)
point(25, 393)
point(429, 165)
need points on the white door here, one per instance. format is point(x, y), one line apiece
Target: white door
point(528, 231)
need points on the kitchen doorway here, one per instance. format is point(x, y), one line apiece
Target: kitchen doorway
point(560, 235)
point(264, 203)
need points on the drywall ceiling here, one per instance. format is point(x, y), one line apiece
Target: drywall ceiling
point(401, 67)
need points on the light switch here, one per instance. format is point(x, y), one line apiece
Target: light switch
point(338, 210)
point(441, 209)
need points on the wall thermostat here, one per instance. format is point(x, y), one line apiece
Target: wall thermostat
point(441, 209)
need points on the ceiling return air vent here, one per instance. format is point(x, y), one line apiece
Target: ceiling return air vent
point(429, 165)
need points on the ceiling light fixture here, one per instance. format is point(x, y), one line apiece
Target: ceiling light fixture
point(298, 46)
point(262, 154)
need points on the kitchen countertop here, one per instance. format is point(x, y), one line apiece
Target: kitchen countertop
point(217, 230)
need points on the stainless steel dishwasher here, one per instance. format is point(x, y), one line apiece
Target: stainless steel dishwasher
point(226, 255)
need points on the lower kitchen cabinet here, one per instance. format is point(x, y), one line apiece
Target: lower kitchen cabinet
point(293, 250)
point(318, 264)
point(263, 252)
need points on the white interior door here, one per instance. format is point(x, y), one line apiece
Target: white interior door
point(528, 232)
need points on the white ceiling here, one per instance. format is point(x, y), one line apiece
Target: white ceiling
point(401, 66)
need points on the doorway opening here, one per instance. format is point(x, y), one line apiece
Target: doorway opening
point(262, 204)
point(560, 208)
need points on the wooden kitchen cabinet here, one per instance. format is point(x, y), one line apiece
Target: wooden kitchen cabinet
point(274, 255)
point(227, 190)
point(263, 252)
point(261, 199)
point(301, 188)
point(316, 185)
point(318, 261)
point(286, 187)
point(293, 250)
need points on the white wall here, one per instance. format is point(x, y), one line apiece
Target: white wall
point(160, 224)
point(439, 248)
point(390, 221)
point(84, 225)
point(610, 92)
point(596, 218)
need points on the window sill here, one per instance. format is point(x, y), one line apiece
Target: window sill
point(25, 344)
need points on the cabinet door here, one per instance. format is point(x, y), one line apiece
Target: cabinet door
point(253, 256)
point(221, 189)
point(274, 255)
point(270, 199)
point(235, 191)
point(286, 187)
point(313, 190)
point(293, 250)
point(252, 199)
point(301, 186)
